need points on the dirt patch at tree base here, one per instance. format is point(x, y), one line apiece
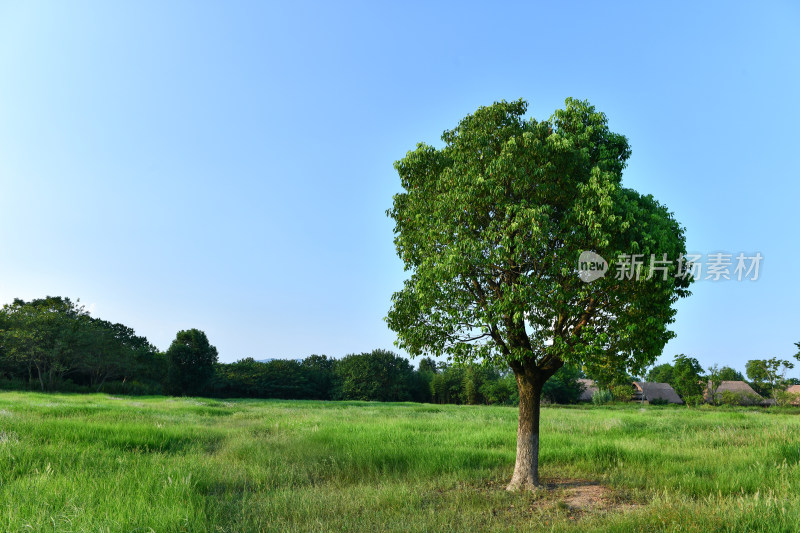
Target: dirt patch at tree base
point(573, 498)
point(582, 496)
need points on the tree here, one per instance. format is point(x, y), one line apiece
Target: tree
point(490, 229)
point(727, 373)
point(43, 335)
point(768, 374)
point(564, 386)
point(190, 363)
point(686, 379)
point(378, 375)
point(661, 374)
point(320, 375)
point(714, 381)
point(426, 364)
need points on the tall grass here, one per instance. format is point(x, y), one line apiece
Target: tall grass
point(99, 463)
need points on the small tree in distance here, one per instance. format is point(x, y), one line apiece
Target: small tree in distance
point(490, 228)
point(190, 363)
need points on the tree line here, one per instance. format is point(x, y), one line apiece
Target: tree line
point(53, 344)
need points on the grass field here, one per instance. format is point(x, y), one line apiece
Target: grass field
point(97, 463)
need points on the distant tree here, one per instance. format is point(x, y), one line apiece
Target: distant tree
point(424, 376)
point(447, 385)
point(43, 335)
point(112, 351)
point(564, 386)
point(491, 227)
point(190, 363)
point(502, 391)
point(661, 374)
point(687, 380)
point(714, 381)
point(378, 375)
point(727, 373)
point(287, 379)
point(427, 364)
point(768, 375)
point(320, 374)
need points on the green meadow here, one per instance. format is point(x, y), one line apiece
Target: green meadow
point(100, 463)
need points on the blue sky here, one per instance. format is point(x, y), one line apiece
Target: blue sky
point(227, 166)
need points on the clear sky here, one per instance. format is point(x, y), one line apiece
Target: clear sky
point(227, 166)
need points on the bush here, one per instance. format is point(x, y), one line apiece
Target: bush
point(622, 393)
point(738, 398)
point(658, 401)
point(783, 398)
point(693, 400)
point(602, 396)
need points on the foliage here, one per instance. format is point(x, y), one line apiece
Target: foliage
point(564, 386)
point(502, 391)
point(727, 373)
point(784, 398)
point(602, 397)
point(693, 400)
point(661, 374)
point(378, 375)
point(768, 374)
point(729, 398)
point(658, 401)
point(43, 336)
point(279, 378)
point(687, 380)
point(507, 192)
point(714, 381)
point(53, 340)
point(622, 393)
point(190, 363)
point(320, 376)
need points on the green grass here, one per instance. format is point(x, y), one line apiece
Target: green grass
point(97, 463)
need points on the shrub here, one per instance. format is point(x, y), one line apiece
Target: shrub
point(658, 401)
point(602, 396)
point(693, 400)
point(730, 398)
point(622, 393)
point(784, 398)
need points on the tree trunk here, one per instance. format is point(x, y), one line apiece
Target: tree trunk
point(526, 470)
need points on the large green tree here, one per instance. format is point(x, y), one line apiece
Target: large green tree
point(490, 228)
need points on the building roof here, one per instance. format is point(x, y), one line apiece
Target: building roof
point(657, 391)
point(738, 387)
point(793, 389)
point(589, 388)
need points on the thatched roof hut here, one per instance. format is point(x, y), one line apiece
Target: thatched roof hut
point(794, 390)
point(656, 391)
point(589, 388)
point(744, 391)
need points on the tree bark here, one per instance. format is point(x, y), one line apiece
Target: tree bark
point(526, 470)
